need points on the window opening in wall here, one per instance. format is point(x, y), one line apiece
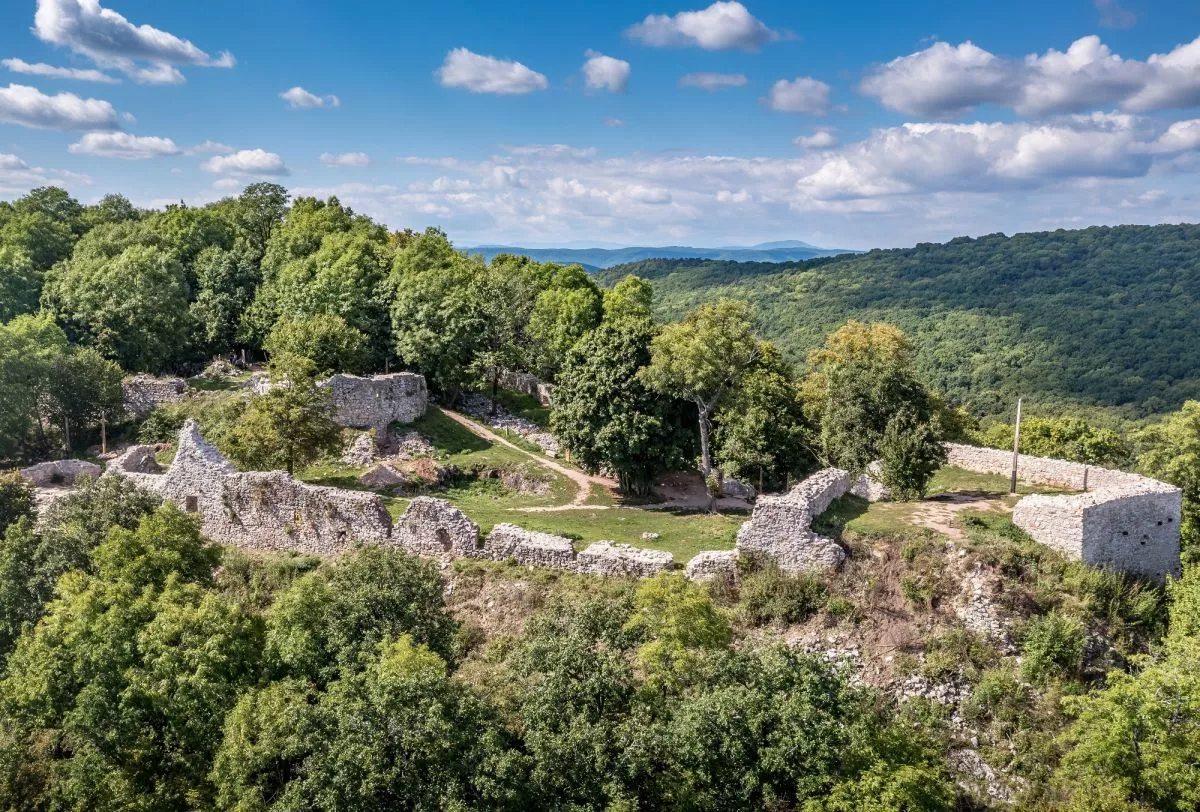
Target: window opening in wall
point(191, 504)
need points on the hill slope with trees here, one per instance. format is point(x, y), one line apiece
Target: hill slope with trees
point(1095, 317)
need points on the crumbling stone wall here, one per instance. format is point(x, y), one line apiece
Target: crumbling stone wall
point(378, 401)
point(710, 565)
point(1126, 521)
point(434, 527)
point(780, 526)
point(529, 547)
point(869, 484)
point(142, 393)
point(528, 384)
point(262, 510)
point(609, 558)
point(59, 472)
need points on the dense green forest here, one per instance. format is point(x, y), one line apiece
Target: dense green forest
point(1099, 317)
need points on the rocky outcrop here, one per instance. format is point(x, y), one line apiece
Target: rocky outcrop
point(869, 484)
point(143, 393)
point(138, 459)
point(780, 526)
point(737, 489)
point(378, 401)
point(59, 473)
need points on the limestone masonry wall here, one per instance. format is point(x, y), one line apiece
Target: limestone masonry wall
point(59, 472)
point(264, 510)
point(144, 392)
point(375, 402)
point(1126, 521)
point(780, 526)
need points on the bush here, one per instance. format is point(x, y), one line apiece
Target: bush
point(1052, 647)
point(771, 596)
point(16, 499)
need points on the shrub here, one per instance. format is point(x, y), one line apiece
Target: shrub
point(1052, 647)
point(769, 595)
point(16, 499)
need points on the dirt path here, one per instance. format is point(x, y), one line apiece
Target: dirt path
point(582, 480)
point(939, 512)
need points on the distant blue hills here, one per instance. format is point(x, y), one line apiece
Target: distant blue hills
point(600, 258)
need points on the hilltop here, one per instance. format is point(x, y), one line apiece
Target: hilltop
point(1098, 317)
point(599, 258)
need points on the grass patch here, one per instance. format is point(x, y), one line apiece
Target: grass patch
point(949, 479)
point(522, 405)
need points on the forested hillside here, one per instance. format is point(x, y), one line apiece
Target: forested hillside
point(1094, 317)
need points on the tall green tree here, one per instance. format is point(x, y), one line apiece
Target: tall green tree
point(704, 358)
point(20, 283)
point(289, 426)
point(1170, 450)
point(568, 307)
point(606, 415)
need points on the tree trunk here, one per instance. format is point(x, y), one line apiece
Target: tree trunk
point(495, 389)
point(705, 430)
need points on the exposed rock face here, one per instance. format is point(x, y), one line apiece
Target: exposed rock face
point(138, 459)
point(378, 401)
point(712, 565)
point(869, 484)
point(610, 559)
point(1126, 521)
point(59, 472)
point(258, 510)
point(528, 384)
point(780, 527)
point(737, 489)
point(360, 451)
point(143, 393)
point(434, 527)
point(529, 547)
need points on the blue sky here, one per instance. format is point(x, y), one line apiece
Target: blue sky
point(854, 124)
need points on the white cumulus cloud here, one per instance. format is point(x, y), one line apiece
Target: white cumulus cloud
point(345, 159)
point(29, 107)
point(299, 98)
point(942, 80)
point(712, 81)
point(123, 145)
point(800, 95)
point(487, 74)
point(722, 26)
point(605, 72)
point(246, 162)
point(822, 138)
point(55, 72)
point(145, 53)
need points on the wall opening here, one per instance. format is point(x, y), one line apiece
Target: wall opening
point(443, 539)
point(191, 504)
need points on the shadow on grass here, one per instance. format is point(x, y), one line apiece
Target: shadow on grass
point(446, 435)
point(840, 513)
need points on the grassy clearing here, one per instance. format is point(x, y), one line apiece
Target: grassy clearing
point(951, 479)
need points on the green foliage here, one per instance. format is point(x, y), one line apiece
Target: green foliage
point(20, 283)
point(1170, 451)
point(1079, 318)
point(1052, 646)
point(1068, 438)
point(630, 298)
point(289, 426)
point(132, 307)
point(680, 619)
point(704, 358)
point(328, 341)
point(563, 313)
point(763, 435)
point(768, 595)
point(16, 499)
point(608, 418)
point(872, 406)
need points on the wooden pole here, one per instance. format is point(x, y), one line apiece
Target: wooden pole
point(103, 434)
point(1012, 485)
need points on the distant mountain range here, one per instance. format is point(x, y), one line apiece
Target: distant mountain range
point(600, 258)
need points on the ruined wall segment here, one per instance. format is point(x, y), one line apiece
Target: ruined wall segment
point(143, 393)
point(378, 401)
point(1126, 521)
point(528, 547)
point(528, 384)
point(607, 558)
point(780, 526)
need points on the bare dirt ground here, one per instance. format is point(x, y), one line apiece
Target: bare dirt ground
point(686, 490)
point(939, 512)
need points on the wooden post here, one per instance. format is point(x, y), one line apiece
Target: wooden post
point(1085, 473)
point(1012, 486)
point(103, 434)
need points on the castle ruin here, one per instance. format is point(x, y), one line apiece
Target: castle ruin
point(378, 401)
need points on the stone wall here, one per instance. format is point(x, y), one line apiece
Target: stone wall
point(528, 384)
point(142, 393)
point(378, 401)
point(262, 510)
point(529, 547)
point(1126, 521)
point(59, 472)
point(780, 526)
point(713, 564)
point(610, 558)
